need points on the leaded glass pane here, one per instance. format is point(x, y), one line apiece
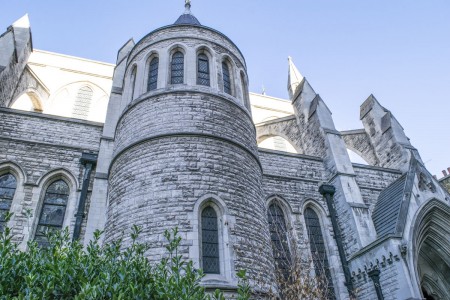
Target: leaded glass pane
point(53, 210)
point(226, 78)
point(203, 70)
point(210, 241)
point(318, 251)
point(278, 235)
point(177, 68)
point(8, 186)
point(153, 75)
point(82, 103)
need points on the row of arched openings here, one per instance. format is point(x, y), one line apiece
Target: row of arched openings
point(53, 208)
point(281, 249)
point(177, 73)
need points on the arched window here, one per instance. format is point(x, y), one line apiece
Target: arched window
point(210, 241)
point(133, 81)
point(153, 74)
point(53, 210)
point(318, 251)
point(8, 184)
point(82, 103)
point(203, 70)
point(244, 90)
point(279, 239)
point(226, 78)
point(177, 68)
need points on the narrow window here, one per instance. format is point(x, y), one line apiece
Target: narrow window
point(244, 90)
point(82, 103)
point(153, 74)
point(133, 82)
point(226, 78)
point(210, 241)
point(203, 70)
point(278, 236)
point(53, 210)
point(177, 68)
point(319, 254)
point(8, 186)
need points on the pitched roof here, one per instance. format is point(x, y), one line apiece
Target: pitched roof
point(187, 19)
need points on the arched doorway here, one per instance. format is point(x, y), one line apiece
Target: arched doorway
point(432, 241)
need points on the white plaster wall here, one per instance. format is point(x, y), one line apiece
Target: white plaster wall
point(63, 76)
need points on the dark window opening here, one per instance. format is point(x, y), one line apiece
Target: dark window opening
point(210, 241)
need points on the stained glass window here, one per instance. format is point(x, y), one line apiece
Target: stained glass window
point(82, 103)
point(8, 186)
point(318, 251)
point(203, 70)
point(153, 75)
point(53, 210)
point(210, 241)
point(278, 236)
point(177, 68)
point(226, 78)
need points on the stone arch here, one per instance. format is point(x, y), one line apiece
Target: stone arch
point(21, 178)
point(29, 100)
point(177, 47)
point(148, 59)
point(225, 246)
point(228, 61)
point(278, 142)
point(244, 89)
point(356, 157)
point(62, 101)
point(431, 249)
point(203, 49)
point(38, 193)
point(331, 264)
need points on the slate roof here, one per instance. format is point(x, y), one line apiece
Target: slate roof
point(387, 210)
point(187, 19)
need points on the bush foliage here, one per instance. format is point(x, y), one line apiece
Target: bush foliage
point(65, 270)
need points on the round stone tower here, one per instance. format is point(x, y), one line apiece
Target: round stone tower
point(185, 153)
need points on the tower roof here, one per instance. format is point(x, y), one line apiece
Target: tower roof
point(187, 18)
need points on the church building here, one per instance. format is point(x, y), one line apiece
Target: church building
point(170, 137)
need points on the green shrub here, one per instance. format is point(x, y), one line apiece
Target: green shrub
point(64, 270)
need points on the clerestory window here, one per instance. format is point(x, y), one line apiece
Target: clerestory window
point(177, 68)
point(226, 78)
point(153, 74)
point(203, 70)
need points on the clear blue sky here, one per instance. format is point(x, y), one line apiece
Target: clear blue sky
point(399, 50)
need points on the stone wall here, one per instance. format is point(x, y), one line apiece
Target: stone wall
point(372, 180)
point(39, 149)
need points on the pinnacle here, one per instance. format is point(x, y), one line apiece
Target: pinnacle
point(294, 78)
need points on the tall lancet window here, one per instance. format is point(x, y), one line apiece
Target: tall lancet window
point(8, 185)
point(226, 78)
point(53, 210)
point(82, 103)
point(318, 251)
point(210, 241)
point(203, 70)
point(133, 82)
point(279, 238)
point(153, 74)
point(177, 68)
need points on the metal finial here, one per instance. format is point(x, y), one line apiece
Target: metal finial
point(187, 6)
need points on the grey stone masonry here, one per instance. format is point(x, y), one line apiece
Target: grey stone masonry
point(38, 149)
